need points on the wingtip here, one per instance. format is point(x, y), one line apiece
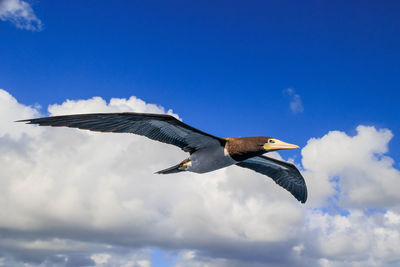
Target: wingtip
point(303, 200)
point(28, 121)
point(305, 195)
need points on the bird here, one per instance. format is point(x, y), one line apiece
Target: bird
point(206, 152)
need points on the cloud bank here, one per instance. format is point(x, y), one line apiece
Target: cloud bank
point(77, 198)
point(21, 14)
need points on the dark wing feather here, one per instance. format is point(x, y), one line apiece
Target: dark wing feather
point(160, 127)
point(283, 173)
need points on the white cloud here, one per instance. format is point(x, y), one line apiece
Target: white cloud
point(73, 197)
point(71, 181)
point(296, 105)
point(21, 14)
point(365, 175)
point(101, 258)
point(10, 111)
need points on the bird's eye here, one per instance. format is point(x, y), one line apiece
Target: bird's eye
point(271, 141)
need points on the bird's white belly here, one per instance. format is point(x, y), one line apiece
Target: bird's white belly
point(210, 159)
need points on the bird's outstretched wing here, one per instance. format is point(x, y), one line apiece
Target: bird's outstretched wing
point(283, 173)
point(160, 127)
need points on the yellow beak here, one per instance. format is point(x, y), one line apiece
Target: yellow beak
point(277, 145)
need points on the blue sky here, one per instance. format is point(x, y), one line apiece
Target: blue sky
point(224, 66)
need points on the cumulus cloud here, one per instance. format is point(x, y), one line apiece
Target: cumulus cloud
point(101, 187)
point(21, 14)
point(77, 198)
point(296, 105)
point(355, 165)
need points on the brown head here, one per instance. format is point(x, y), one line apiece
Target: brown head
point(246, 147)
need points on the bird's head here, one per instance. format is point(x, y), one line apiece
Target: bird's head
point(273, 144)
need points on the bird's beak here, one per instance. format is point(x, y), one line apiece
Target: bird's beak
point(279, 145)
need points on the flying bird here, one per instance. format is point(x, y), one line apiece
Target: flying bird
point(207, 152)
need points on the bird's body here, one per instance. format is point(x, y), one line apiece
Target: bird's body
point(207, 152)
point(209, 159)
point(220, 155)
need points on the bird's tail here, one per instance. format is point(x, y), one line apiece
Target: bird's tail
point(177, 168)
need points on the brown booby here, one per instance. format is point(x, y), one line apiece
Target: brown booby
point(207, 152)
